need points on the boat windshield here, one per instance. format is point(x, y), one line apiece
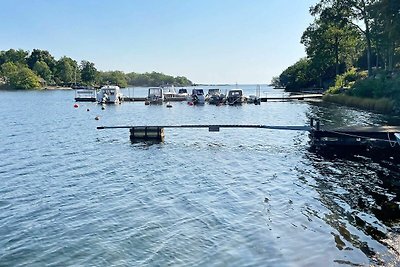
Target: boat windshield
point(213, 91)
point(154, 91)
point(197, 92)
point(235, 93)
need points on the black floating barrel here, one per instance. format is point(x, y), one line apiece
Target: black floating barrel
point(147, 133)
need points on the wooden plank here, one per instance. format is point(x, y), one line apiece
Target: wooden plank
point(263, 99)
point(368, 129)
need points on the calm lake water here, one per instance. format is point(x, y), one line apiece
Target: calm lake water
point(71, 195)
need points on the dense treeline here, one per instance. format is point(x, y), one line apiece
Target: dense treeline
point(357, 40)
point(21, 69)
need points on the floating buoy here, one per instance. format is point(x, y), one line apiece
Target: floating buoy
point(76, 106)
point(87, 109)
point(190, 103)
point(169, 105)
point(103, 107)
point(97, 118)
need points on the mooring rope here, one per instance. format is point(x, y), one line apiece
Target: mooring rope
point(368, 138)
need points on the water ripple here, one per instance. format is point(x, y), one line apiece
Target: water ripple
point(73, 195)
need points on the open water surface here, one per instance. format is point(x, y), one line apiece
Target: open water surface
point(71, 195)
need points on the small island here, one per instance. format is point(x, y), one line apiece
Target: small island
point(20, 69)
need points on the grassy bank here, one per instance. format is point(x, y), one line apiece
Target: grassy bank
point(379, 93)
point(381, 105)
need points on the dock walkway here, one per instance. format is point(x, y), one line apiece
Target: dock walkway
point(263, 99)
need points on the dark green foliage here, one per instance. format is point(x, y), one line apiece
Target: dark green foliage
point(346, 80)
point(43, 56)
point(25, 78)
point(66, 71)
point(19, 76)
point(113, 77)
point(347, 35)
point(43, 71)
point(89, 72)
point(24, 70)
point(156, 79)
point(379, 86)
point(15, 56)
point(298, 76)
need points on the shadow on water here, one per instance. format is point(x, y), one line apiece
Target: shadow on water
point(361, 189)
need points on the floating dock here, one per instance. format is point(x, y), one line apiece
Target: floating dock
point(156, 133)
point(263, 99)
point(366, 138)
point(356, 137)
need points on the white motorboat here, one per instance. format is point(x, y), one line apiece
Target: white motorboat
point(109, 94)
point(183, 93)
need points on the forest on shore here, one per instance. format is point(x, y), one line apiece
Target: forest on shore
point(21, 69)
point(353, 50)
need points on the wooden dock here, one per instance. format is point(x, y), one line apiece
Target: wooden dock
point(291, 97)
point(355, 137)
point(263, 99)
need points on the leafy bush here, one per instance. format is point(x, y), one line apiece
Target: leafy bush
point(346, 81)
point(378, 87)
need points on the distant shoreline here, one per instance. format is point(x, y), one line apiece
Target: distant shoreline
point(56, 88)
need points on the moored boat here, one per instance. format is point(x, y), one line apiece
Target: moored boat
point(85, 94)
point(235, 96)
point(171, 95)
point(183, 93)
point(155, 95)
point(109, 94)
point(198, 96)
point(214, 96)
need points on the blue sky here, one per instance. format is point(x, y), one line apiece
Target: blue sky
point(208, 41)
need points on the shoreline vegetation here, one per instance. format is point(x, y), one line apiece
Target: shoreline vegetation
point(20, 69)
point(353, 53)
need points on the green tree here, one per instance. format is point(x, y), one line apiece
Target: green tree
point(24, 78)
point(113, 77)
point(182, 81)
point(298, 76)
point(352, 12)
point(66, 71)
point(385, 29)
point(41, 69)
point(328, 43)
point(15, 56)
point(89, 73)
point(8, 69)
point(41, 55)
